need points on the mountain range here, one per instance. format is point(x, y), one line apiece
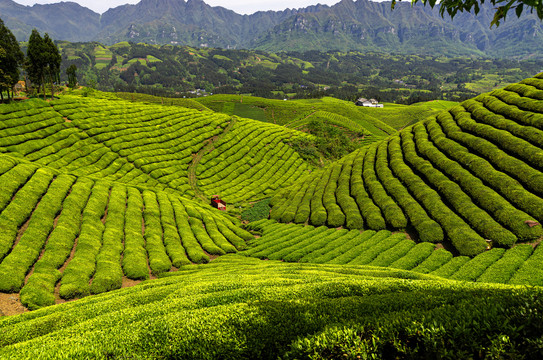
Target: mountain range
point(349, 25)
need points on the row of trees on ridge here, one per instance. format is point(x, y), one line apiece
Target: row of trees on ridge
point(41, 64)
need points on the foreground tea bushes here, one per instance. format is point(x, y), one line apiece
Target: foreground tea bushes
point(471, 176)
point(242, 308)
point(297, 243)
point(78, 236)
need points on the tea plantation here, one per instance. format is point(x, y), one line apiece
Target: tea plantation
point(470, 176)
point(424, 244)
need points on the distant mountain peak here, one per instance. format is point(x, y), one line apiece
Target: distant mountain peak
point(347, 25)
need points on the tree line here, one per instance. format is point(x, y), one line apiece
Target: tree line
point(41, 64)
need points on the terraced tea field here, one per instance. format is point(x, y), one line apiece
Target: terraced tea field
point(470, 175)
point(96, 191)
point(97, 232)
point(428, 236)
point(137, 144)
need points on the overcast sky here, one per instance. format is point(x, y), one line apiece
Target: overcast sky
point(239, 6)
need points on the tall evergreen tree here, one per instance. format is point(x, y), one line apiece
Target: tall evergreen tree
point(52, 60)
point(72, 77)
point(36, 60)
point(11, 57)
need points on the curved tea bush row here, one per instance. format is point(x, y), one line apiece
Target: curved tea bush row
point(250, 162)
point(471, 176)
point(138, 144)
point(74, 236)
point(320, 245)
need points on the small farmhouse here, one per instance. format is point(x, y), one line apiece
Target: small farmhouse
point(368, 103)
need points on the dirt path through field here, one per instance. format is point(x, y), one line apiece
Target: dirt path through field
point(198, 156)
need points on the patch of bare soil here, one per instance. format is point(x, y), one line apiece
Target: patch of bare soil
point(66, 119)
point(10, 304)
point(129, 282)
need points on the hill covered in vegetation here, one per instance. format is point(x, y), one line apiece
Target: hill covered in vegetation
point(411, 246)
point(468, 176)
point(178, 71)
point(239, 308)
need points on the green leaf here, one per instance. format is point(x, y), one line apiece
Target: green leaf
point(519, 9)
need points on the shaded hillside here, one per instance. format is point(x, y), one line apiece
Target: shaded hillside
point(470, 175)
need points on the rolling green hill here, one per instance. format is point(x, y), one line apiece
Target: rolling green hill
point(469, 176)
point(297, 113)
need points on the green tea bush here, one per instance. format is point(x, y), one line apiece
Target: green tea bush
point(451, 267)
point(478, 218)
point(158, 258)
point(503, 269)
point(342, 241)
point(427, 229)
point(336, 217)
point(189, 241)
point(393, 254)
point(373, 252)
point(476, 266)
point(531, 271)
point(317, 242)
point(348, 205)
point(390, 210)
point(134, 261)
point(298, 243)
point(40, 286)
point(436, 260)
point(17, 212)
point(329, 253)
point(318, 211)
point(16, 265)
point(416, 255)
point(370, 212)
point(78, 272)
point(463, 237)
point(281, 244)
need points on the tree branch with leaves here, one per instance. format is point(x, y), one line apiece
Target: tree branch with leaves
point(503, 7)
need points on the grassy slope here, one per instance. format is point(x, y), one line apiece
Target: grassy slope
point(238, 308)
point(468, 174)
point(400, 116)
point(295, 113)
